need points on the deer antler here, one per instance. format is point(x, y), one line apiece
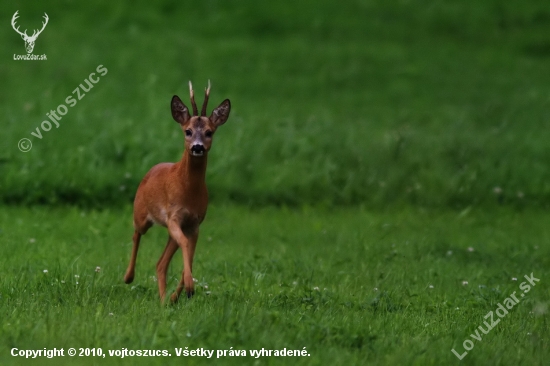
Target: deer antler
point(206, 94)
point(35, 34)
point(193, 104)
point(13, 19)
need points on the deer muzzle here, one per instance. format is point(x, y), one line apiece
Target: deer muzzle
point(197, 150)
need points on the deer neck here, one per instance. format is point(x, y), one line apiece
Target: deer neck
point(192, 170)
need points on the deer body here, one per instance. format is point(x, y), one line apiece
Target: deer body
point(175, 196)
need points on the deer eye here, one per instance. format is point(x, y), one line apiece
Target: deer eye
point(208, 133)
point(188, 132)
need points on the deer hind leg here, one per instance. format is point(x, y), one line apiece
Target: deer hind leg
point(187, 243)
point(163, 263)
point(140, 229)
point(129, 276)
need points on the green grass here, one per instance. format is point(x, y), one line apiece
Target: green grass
point(369, 146)
point(333, 103)
point(352, 286)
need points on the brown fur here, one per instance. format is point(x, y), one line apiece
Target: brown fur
point(174, 195)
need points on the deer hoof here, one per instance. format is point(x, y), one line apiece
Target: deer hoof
point(174, 298)
point(128, 278)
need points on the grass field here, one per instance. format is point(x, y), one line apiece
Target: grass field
point(352, 286)
point(382, 183)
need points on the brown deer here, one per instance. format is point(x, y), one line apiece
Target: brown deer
point(174, 195)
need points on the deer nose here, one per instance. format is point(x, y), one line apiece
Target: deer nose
point(198, 149)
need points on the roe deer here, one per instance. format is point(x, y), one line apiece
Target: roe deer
point(174, 195)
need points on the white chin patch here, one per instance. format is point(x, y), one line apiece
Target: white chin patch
point(194, 153)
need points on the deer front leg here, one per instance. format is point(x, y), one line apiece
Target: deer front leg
point(163, 263)
point(187, 278)
point(129, 276)
point(187, 243)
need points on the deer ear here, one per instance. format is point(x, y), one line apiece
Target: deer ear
point(180, 113)
point(219, 115)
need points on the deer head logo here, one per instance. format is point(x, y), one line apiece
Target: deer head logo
point(29, 40)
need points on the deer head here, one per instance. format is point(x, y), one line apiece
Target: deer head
point(29, 40)
point(199, 129)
